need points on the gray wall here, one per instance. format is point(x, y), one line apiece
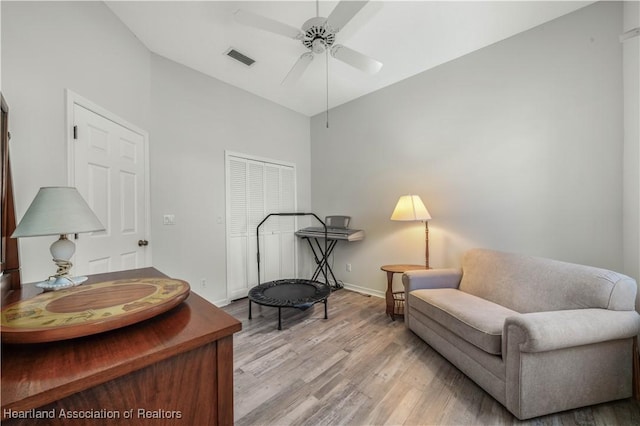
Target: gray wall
point(195, 119)
point(518, 146)
point(515, 147)
point(631, 213)
point(48, 47)
point(192, 119)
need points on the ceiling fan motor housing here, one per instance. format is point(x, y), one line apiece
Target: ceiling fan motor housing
point(317, 36)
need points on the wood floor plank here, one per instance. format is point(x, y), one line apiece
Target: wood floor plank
point(361, 368)
point(398, 412)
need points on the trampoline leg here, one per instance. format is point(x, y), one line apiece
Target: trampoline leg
point(249, 309)
point(279, 318)
point(325, 309)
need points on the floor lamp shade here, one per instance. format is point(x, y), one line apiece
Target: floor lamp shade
point(410, 208)
point(58, 211)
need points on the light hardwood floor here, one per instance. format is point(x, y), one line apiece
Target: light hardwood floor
point(360, 368)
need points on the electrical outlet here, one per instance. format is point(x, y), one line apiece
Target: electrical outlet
point(348, 267)
point(203, 282)
point(169, 219)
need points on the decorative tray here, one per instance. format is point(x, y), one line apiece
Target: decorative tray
point(89, 309)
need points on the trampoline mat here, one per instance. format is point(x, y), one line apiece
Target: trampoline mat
point(295, 293)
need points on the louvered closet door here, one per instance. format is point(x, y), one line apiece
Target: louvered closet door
point(255, 189)
point(236, 228)
point(255, 213)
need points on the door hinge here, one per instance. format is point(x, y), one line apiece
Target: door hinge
point(75, 132)
point(9, 135)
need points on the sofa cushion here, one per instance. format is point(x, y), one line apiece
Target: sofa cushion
point(476, 320)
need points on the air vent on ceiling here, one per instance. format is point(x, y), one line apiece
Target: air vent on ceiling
point(233, 53)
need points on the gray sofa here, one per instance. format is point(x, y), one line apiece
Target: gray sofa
point(539, 335)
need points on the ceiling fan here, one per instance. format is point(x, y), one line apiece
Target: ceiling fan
point(318, 35)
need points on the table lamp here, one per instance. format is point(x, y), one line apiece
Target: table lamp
point(58, 211)
point(411, 208)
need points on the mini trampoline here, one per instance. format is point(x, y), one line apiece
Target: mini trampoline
point(290, 292)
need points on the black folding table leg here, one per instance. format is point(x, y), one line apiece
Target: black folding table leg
point(325, 259)
point(322, 261)
point(332, 245)
point(319, 260)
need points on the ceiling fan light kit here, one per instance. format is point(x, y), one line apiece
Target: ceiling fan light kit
point(317, 36)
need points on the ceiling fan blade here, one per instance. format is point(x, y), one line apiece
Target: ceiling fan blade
point(355, 59)
point(343, 13)
point(298, 69)
point(267, 24)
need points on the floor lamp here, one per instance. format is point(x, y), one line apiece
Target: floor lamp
point(410, 208)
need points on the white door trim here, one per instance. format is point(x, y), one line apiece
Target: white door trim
point(228, 153)
point(72, 99)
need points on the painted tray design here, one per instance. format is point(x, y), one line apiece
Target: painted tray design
point(89, 309)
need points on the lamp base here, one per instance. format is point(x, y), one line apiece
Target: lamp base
point(59, 283)
point(62, 250)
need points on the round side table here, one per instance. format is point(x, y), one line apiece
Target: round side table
point(395, 300)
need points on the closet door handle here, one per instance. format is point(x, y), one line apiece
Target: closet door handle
point(142, 243)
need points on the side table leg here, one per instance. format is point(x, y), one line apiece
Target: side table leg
point(389, 295)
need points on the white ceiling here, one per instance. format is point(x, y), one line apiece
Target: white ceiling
point(408, 37)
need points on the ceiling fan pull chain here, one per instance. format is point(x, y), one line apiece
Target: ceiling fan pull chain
point(327, 62)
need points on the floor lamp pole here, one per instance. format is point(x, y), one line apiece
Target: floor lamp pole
point(426, 243)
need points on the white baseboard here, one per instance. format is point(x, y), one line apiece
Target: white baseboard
point(364, 290)
point(220, 303)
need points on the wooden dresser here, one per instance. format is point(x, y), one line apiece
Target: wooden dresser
point(173, 369)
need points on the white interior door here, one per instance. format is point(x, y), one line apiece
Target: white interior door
point(109, 170)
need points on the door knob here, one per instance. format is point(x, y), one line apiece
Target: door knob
point(142, 243)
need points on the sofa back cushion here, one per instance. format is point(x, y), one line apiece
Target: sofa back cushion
point(531, 284)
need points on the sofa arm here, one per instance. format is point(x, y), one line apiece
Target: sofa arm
point(547, 331)
point(427, 278)
point(431, 278)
